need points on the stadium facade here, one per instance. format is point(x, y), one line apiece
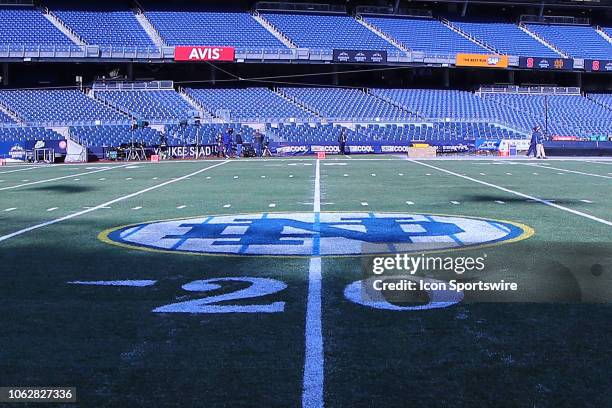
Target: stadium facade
point(448, 74)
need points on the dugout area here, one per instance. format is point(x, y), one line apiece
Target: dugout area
point(545, 345)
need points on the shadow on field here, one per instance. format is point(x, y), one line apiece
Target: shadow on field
point(63, 189)
point(487, 198)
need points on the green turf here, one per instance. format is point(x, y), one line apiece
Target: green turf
point(548, 345)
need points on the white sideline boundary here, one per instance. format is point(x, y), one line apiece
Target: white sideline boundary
point(566, 170)
point(106, 204)
point(517, 193)
point(32, 183)
point(312, 394)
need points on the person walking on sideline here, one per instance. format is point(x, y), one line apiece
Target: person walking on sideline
point(534, 140)
point(227, 143)
point(342, 141)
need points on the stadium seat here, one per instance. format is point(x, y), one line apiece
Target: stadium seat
point(425, 34)
point(108, 23)
point(58, 107)
point(337, 104)
point(22, 134)
point(572, 115)
point(249, 104)
point(507, 38)
point(151, 105)
point(26, 26)
point(577, 41)
point(327, 31)
point(222, 28)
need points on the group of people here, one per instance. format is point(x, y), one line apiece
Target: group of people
point(536, 146)
point(226, 142)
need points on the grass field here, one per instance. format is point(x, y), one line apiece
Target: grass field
point(255, 329)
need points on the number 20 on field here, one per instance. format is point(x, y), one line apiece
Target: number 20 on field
point(259, 287)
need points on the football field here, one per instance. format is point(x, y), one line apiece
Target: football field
point(230, 283)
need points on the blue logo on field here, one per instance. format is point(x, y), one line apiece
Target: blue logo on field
point(318, 234)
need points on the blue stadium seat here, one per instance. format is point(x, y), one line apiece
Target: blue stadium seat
point(577, 41)
point(340, 104)
point(426, 34)
point(507, 38)
point(249, 104)
point(103, 23)
point(206, 133)
point(22, 134)
point(58, 107)
point(113, 136)
point(455, 105)
point(197, 27)
point(572, 115)
point(158, 105)
point(26, 26)
point(327, 31)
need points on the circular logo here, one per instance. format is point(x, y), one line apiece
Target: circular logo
point(315, 234)
point(62, 144)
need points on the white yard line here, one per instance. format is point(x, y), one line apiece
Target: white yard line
point(104, 205)
point(312, 393)
point(527, 196)
point(22, 169)
point(61, 178)
point(566, 170)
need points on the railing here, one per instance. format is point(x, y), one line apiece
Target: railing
point(528, 18)
point(389, 11)
point(132, 86)
point(16, 3)
point(300, 7)
point(61, 123)
point(530, 90)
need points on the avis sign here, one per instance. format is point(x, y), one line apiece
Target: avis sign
point(204, 53)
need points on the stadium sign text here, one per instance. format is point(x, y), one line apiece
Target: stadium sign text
point(204, 53)
point(359, 56)
point(598, 65)
point(559, 64)
point(481, 60)
point(319, 234)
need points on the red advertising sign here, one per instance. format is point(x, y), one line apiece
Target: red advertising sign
point(203, 53)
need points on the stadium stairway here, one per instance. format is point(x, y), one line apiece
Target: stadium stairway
point(381, 33)
point(91, 94)
point(540, 39)
point(6, 111)
point(296, 102)
point(273, 30)
point(603, 33)
point(469, 36)
point(204, 113)
point(148, 27)
point(60, 25)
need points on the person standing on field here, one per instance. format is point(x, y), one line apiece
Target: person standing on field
point(238, 145)
point(540, 153)
point(258, 143)
point(342, 141)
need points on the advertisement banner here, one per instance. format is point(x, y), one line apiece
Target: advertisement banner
point(204, 53)
point(188, 151)
point(12, 151)
point(558, 64)
point(482, 60)
point(58, 146)
point(359, 56)
point(487, 144)
point(598, 65)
